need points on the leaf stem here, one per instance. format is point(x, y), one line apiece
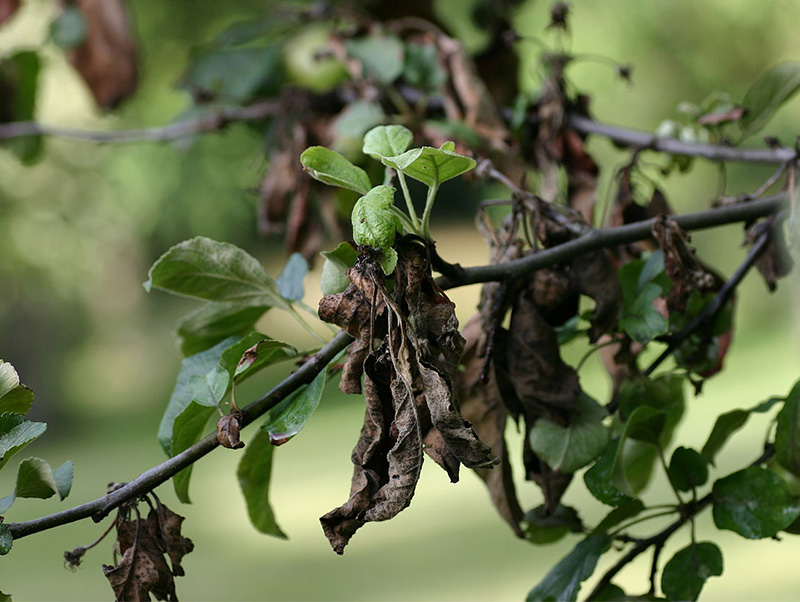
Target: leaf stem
point(409, 203)
point(426, 216)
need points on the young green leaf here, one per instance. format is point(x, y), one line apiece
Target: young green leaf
point(6, 540)
point(431, 166)
point(387, 141)
point(787, 433)
point(254, 474)
point(215, 322)
point(16, 433)
point(380, 54)
point(688, 570)
point(564, 580)
point(217, 271)
point(687, 469)
point(568, 448)
point(727, 424)
point(334, 271)
point(388, 260)
point(329, 167)
point(35, 479)
point(14, 397)
point(373, 223)
point(290, 280)
point(754, 503)
point(289, 417)
point(767, 94)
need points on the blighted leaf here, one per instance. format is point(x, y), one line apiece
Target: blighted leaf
point(687, 469)
point(568, 448)
point(381, 55)
point(329, 167)
point(627, 509)
point(727, 424)
point(334, 271)
point(215, 322)
point(168, 532)
point(70, 28)
point(686, 572)
point(14, 396)
point(373, 223)
point(217, 271)
point(754, 503)
point(228, 428)
point(19, 85)
point(16, 433)
point(290, 280)
point(599, 478)
point(107, 58)
point(787, 433)
point(6, 540)
point(234, 75)
point(197, 365)
point(422, 68)
point(543, 527)
point(431, 166)
point(254, 474)
point(264, 353)
point(35, 479)
point(767, 94)
point(564, 580)
point(387, 141)
point(189, 426)
point(289, 417)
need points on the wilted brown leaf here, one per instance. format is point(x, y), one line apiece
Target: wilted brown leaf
point(107, 58)
point(169, 535)
point(7, 9)
point(228, 431)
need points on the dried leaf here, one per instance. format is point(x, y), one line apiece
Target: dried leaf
point(594, 276)
point(169, 534)
point(228, 431)
point(107, 59)
point(775, 262)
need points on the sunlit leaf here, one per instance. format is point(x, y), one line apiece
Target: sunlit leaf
point(688, 570)
point(16, 433)
point(14, 396)
point(431, 166)
point(767, 94)
point(333, 169)
point(754, 503)
point(387, 141)
point(254, 474)
point(564, 580)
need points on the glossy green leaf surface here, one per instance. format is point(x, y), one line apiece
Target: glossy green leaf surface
point(431, 166)
point(687, 469)
point(688, 570)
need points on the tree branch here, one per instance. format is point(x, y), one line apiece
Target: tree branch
point(213, 122)
point(591, 241)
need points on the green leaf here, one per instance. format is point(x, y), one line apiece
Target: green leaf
point(14, 397)
point(254, 474)
point(263, 353)
point(640, 319)
point(235, 75)
point(422, 68)
point(543, 527)
point(69, 29)
point(334, 271)
point(35, 479)
point(564, 580)
point(686, 572)
point(329, 167)
point(6, 540)
point(388, 260)
point(63, 478)
point(380, 54)
point(215, 322)
point(767, 94)
point(217, 271)
point(754, 503)
point(7, 502)
point(373, 223)
point(387, 141)
point(19, 86)
point(627, 509)
point(431, 166)
point(198, 364)
point(290, 281)
point(189, 427)
point(599, 478)
point(289, 417)
point(727, 424)
point(350, 126)
point(687, 469)
point(16, 433)
point(611, 593)
point(646, 425)
point(568, 448)
point(787, 433)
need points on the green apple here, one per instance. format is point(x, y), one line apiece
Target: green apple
point(309, 63)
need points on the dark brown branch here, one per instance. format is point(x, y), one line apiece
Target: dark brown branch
point(157, 475)
point(214, 122)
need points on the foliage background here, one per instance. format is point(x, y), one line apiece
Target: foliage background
point(78, 231)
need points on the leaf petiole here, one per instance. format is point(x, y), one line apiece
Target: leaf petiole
point(409, 203)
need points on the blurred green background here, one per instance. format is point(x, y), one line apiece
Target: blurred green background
point(79, 230)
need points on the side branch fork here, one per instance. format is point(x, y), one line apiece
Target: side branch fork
point(593, 240)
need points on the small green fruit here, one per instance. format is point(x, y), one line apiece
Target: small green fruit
point(308, 60)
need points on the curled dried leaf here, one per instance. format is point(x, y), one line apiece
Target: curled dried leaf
point(228, 427)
